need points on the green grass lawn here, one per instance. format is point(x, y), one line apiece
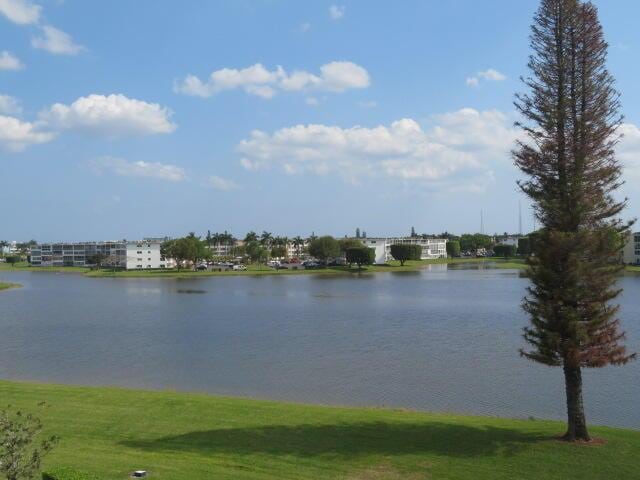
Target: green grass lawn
point(7, 286)
point(110, 432)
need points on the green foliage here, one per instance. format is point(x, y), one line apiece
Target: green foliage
point(504, 250)
point(256, 252)
point(279, 252)
point(347, 243)
point(360, 255)
point(187, 249)
point(324, 248)
point(524, 246)
point(21, 451)
point(453, 248)
point(470, 242)
point(67, 473)
point(404, 252)
point(13, 259)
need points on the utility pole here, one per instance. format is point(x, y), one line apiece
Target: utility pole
point(481, 222)
point(519, 218)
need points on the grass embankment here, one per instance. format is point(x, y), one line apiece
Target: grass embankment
point(254, 270)
point(25, 267)
point(111, 432)
point(7, 286)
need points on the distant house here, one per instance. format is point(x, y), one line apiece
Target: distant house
point(631, 252)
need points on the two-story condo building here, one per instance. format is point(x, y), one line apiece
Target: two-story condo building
point(432, 248)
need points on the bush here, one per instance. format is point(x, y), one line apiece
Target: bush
point(67, 473)
point(403, 252)
point(504, 250)
point(453, 248)
point(324, 248)
point(13, 259)
point(360, 256)
point(524, 246)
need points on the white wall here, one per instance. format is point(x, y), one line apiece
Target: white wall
point(143, 255)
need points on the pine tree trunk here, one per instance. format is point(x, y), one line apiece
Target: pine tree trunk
point(576, 421)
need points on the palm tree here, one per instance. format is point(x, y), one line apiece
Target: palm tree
point(251, 237)
point(298, 242)
point(266, 238)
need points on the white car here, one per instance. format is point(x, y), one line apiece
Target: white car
point(239, 267)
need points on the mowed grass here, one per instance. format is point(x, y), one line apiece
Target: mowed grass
point(111, 432)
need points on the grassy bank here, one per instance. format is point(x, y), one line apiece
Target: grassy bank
point(393, 266)
point(7, 286)
point(111, 432)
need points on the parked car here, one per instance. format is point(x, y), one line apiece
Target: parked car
point(239, 267)
point(202, 266)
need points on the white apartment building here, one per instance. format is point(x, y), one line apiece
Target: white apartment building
point(631, 252)
point(432, 248)
point(131, 255)
point(144, 254)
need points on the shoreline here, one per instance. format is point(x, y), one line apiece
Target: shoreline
point(261, 270)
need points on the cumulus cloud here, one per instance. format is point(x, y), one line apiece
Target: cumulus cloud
point(125, 168)
point(111, 116)
point(222, 184)
point(258, 80)
point(458, 150)
point(490, 75)
point(336, 12)
point(56, 41)
point(9, 62)
point(9, 105)
point(628, 152)
point(22, 12)
point(16, 135)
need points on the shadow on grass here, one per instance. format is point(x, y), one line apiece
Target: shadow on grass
point(348, 440)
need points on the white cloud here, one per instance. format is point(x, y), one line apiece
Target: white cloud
point(458, 151)
point(489, 75)
point(112, 116)
point(22, 12)
point(56, 41)
point(9, 62)
point(492, 75)
point(258, 80)
point(336, 12)
point(222, 184)
point(9, 105)
point(16, 135)
point(124, 168)
point(473, 82)
point(628, 152)
point(304, 27)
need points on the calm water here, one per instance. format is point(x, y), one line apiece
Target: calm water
point(440, 340)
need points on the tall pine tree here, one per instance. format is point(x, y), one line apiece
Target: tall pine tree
point(571, 118)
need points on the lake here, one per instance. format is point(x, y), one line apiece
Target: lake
point(441, 339)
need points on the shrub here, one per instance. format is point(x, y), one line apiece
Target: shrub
point(13, 259)
point(403, 252)
point(524, 246)
point(360, 256)
point(504, 250)
point(67, 473)
point(453, 248)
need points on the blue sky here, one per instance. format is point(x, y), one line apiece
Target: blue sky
point(125, 119)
